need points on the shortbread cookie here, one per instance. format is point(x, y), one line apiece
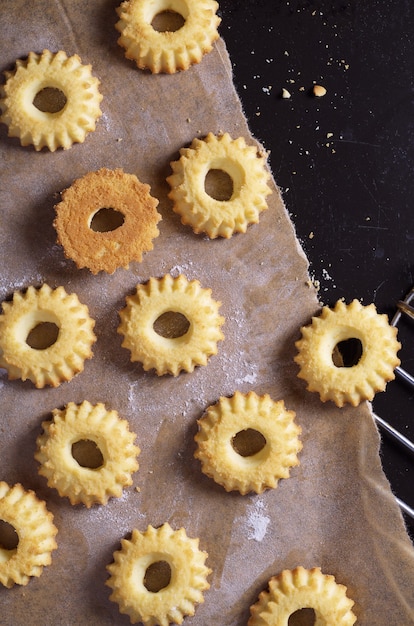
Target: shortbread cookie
point(153, 599)
point(35, 535)
point(60, 353)
point(171, 50)
point(301, 588)
point(319, 353)
point(247, 442)
point(117, 241)
point(245, 167)
point(103, 462)
point(70, 113)
point(177, 297)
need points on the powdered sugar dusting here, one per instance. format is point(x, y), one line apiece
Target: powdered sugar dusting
point(256, 520)
point(180, 269)
point(7, 287)
point(249, 378)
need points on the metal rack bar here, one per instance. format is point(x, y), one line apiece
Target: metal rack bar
point(404, 507)
point(404, 307)
point(395, 433)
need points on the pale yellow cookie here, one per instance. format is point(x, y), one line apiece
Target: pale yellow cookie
point(65, 91)
point(293, 590)
point(319, 353)
point(247, 442)
point(87, 453)
point(128, 218)
point(30, 549)
point(158, 576)
point(246, 199)
point(168, 50)
point(45, 336)
point(177, 297)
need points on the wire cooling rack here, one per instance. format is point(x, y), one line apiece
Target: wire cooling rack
point(404, 309)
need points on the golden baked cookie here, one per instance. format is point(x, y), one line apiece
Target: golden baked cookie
point(172, 49)
point(321, 363)
point(247, 442)
point(219, 215)
point(45, 336)
point(158, 576)
point(32, 541)
point(87, 453)
point(50, 100)
point(293, 590)
point(171, 350)
point(127, 214)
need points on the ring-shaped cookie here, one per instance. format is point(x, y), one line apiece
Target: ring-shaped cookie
point(60, 361)
point(106, 248)
point(183, 589)
point(53, 129)
point(83, 480)
point(319, 353)
point(245, 167)
point(293, 590)
point(265, 458)
point(35, 535)
point(171, 50)
point(168, 295)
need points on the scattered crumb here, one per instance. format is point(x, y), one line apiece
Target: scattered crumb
point(329, 135)
point(188, 119)
point(313, 283)
point(301, 88)
point(285, 94)
point(138, 489)
point(319, 91)
point(311, 235)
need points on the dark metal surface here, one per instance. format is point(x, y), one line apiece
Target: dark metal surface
point(345, 161)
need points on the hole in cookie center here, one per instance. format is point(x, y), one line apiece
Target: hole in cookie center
point(50, 100)
point(248, 442)
point(9, 539)
point(347, 353)
point(219, 185)
point(87, 454)
point(157, 576)
point(42, 336)
point(303, 617)
point(167, 21)
point(171, 325)
point(106, 220)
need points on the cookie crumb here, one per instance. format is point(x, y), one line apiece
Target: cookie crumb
point(319, 91)
point(285, 94)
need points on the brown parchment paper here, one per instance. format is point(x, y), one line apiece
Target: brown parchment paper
point(336, 511)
